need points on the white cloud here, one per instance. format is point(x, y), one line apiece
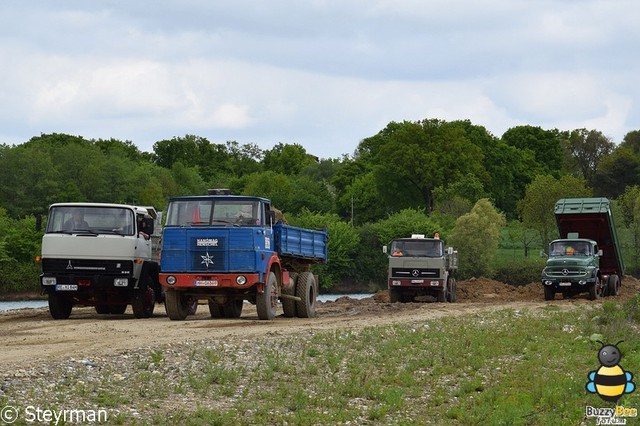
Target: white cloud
point(324, 74)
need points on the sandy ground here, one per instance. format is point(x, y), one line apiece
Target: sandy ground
point(30, 336)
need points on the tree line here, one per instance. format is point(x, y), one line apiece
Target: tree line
point(411, 177)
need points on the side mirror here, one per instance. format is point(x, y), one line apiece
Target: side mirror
point(543, 254)
point(38, 222)
point(384, 249)
point(599, 252)
point(148, 225)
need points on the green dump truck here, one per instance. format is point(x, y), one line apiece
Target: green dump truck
point(587, 257)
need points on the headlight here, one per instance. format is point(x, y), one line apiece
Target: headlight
point(49, 281)
point(171, 280)
point(121, 282)
point(241, 280)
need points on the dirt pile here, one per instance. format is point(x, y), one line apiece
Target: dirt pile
point(484, 290)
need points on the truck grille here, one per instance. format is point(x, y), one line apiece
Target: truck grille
point(565, 272)
point(415, 273)
point(87, 266)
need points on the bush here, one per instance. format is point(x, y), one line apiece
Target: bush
point(523, 272)
point(19, 277)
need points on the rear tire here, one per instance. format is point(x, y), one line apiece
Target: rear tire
point(215, 310)
point(102, 309)
point(117, 309)
point(549, 292)
point(267, 301)
point(289, 305)
point(233, 309)
point(613, 285)
point(177, 305)
point(60, 305)
point(306, 291)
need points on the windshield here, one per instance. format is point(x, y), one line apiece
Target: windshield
point(99, 220)
point(417, 248)
point(214, 212)
point(570, 248)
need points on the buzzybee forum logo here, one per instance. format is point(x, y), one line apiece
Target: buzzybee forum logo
point(610, 381)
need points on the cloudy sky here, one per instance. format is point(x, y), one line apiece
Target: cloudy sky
point(321, 73)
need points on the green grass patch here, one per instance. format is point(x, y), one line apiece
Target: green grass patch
point(515, 367)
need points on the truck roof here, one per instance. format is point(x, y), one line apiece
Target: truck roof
point(220, 197)
point(150, 210)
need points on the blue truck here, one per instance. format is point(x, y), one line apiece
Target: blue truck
point(229, 248)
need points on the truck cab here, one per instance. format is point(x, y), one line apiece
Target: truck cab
point(101, 255)
point(420, 266)
point(226, 249)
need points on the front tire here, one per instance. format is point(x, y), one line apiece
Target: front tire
point(60, 305)
point(267, 301)
point(452, 296)
point(594, 290)
point(306, 291)
point(144, 301)
point(549, 292)
point(177, 305)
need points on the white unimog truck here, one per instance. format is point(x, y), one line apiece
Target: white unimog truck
point(101, 255)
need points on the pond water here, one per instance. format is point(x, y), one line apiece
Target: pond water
point(33, 304)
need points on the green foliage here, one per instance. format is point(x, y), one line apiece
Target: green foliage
point(19, 277)
point(344, 244)
point(537, 207)
point(476, 237)
point(405, 223)
point(521, 272)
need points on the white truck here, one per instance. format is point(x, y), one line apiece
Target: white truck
point(101, 255)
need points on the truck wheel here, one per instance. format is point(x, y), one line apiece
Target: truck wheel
point(394, 296)
point(60, 305)
point(176, 304)
point(102, 309)
point(117, 309)
point(144, 301)
point(594, 290)
point(193, 305)
point(451, 296)
point(233, 309)
point(289, 305)
point(267, 302)
point(549, 292)
point(442, 294)
point(614, 285)
point(306, 291)
point(215, 309)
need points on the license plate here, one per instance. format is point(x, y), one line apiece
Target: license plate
point(207, 283)
point(417, 281)
point(66, 287)
point(564, 284)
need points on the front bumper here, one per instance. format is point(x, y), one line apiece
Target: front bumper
point(415, 283)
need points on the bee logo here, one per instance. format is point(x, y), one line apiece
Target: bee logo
point(610, 381)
